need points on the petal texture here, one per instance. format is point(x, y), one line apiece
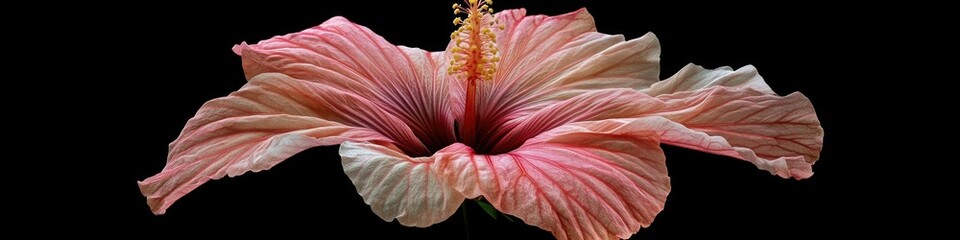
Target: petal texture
point(744, 118)
point(268, 120)
point(397, 186)
point(542, 181)
point(350, 57)
point(778, 134)
point(599, 181)
point(694, 77)
point(549, 59)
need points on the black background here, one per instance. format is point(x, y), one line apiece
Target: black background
point(171, 59)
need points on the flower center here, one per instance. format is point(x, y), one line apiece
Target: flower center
point(474, 57)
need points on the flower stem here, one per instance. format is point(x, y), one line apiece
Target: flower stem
point(466, 225)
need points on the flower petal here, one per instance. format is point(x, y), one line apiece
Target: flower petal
point(595, 105)
point(548, 59)
point(397, 186)
point(350, 57)
point(270, 119)
point(578, 182)
point(694, 77)
point(778, 134)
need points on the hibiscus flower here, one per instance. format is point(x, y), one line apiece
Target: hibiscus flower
point(542, 116)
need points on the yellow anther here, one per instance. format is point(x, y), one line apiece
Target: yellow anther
point(474, 50)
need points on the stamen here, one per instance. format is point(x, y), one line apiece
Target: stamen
point(474, 55)
point(476, 34)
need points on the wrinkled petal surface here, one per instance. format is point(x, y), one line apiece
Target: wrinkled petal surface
point(588, 181)
point(397, 186)
point(778, 134)
point(268, 120)
point(694, 77)
point(545, 59)
point(350, 57)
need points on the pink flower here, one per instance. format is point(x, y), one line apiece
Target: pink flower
point(545, 118)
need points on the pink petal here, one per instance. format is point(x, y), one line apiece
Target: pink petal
point(693, 77)
point(350, 57)
point(778, 134)
point(265, 122)
point(595, 105)
point(582, 182)
point(549, 59)
point(397, 186)
point(616, 128)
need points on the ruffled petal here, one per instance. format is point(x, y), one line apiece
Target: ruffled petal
point(694, 77)
point(352, 58)
point(268, 120)
point(543, 180)
point(778, 134)
point(587, 181)
point(397, 186)
point(549, 59)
